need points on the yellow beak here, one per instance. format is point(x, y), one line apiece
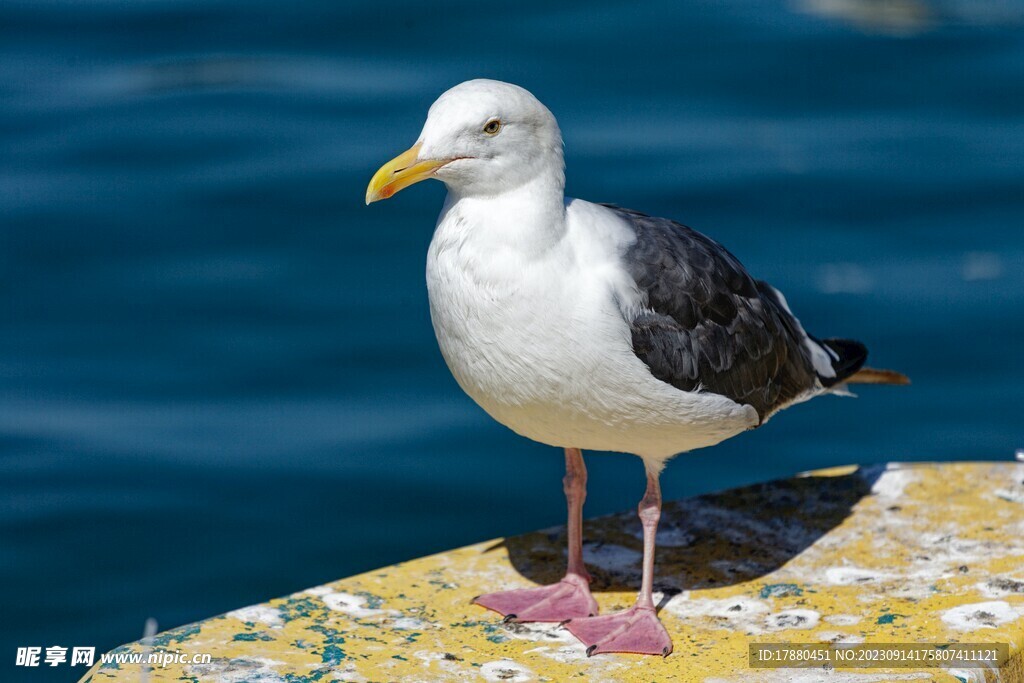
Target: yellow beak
point(399, 173)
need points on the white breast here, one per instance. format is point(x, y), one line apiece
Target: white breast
point(538, 338)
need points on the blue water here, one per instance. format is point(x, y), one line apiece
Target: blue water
point(218, 380)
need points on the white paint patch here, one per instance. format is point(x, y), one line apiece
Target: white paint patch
point(850, 576)
point(258, 614)
point(567, 654)
point(792, 619)
point(918, 560)
point(562, 647)
point(1011, 495)
point(348, 673)
point(970, 675)
point(428, 655)
point(725, 607)
point(1001, 586)
point(911, 562)
point(892, 483)
point(980, 615)
point(612, 558)
point(843, 619)
point(739, 614)
point(839, 637)
point(408, 624)
point(541, 633)
point(943, 547)
point(352, 605)
point(238, 670)
point(439, 660)
point(506, 671)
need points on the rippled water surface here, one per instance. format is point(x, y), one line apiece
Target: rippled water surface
point(218, 380)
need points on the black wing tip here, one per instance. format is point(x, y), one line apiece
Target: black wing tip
point(852, 356)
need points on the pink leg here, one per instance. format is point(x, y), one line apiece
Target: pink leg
point(638, 629)
point(570, 597)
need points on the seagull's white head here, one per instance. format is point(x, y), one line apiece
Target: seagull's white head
point(481, 138)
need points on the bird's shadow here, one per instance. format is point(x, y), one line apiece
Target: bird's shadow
point(710, 541)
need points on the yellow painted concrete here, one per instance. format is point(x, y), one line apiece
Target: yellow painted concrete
point(904, 553)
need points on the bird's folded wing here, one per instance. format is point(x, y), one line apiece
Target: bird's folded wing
point(708, 325)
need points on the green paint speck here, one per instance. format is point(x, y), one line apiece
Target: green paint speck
point(252, 636)
point(887, 618)
point(333, 655)
point(781, 590)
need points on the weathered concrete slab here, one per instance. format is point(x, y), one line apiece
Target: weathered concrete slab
point(904, 553)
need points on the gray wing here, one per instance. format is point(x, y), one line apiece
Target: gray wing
point(709, 326)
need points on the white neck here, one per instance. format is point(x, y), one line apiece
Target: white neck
point(530, 217)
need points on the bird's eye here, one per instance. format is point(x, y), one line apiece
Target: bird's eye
point(492, 127)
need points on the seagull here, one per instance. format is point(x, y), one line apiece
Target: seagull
point(592, 327)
